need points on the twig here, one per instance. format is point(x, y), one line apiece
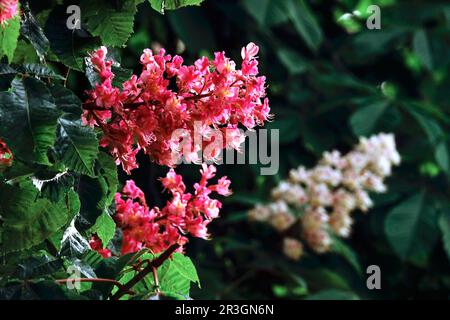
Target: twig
point(149, 268)
point(155, 280)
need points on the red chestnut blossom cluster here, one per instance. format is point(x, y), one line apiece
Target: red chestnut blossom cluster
point(8, 9)
point(158, 229)
point(168, 96)
point(6, 156)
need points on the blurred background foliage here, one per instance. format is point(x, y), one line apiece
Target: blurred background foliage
point(331, 79)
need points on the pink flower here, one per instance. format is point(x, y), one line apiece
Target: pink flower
point(250, 51)
point(133, 192)
point(184, 214)
point(6, 156)
point(8, 9)
point(96, 245)
point(222, 187)
point(173, 182)
point(146, 111)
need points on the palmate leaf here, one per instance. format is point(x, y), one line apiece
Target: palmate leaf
point(112, 23)
point(28, 116)
point(162, 5)
point(411, 229)
point(8, 37)
point(27, 219)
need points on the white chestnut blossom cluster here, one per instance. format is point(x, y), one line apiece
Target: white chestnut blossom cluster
point(325, 196)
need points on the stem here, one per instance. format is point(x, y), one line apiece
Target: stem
point(149, 268)
point(102, 280)
point(198, 96)
point(67, 77)
point(156, 281)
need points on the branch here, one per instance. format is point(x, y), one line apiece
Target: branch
point(134, 105)
point(153, 265)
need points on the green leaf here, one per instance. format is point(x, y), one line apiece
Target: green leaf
point(305, 23)
point(436, 138)
point(266, 12)
point(66, 100)
point(73, 244)
point(105, 228)
point(293, 62)
point(37, 266)
point(364, 121)
point(185, 266)
point(9, 33)
point(25, 53)
point(29, 220)
point(29, 118)
point(441, 155)
point(162, 5)
point(112, 23)
point(411, 229)
point(341, 248)
point(70, 46)
point(444, 225)
point(40, 71)
point(31, 30)
point(171, 281)
point(111, 268)
point(56, 188)
point(432, 48)
point(97, 194)
point(77, 146)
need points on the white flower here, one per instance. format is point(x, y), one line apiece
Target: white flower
point(326, 174)
point(339, 184)
point(363, 201)
point(299, 175)
point(292, 248)
point(259, 213)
